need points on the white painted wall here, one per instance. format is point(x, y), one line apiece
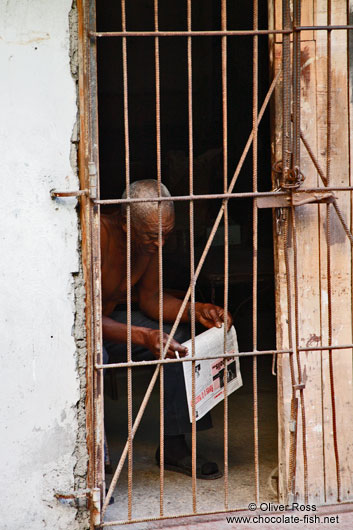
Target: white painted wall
point(38, 252)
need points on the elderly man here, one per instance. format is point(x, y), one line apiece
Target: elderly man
point(144, 326)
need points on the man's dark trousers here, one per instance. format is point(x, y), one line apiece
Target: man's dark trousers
point(176, 414)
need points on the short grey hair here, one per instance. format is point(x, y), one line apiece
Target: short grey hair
point(139, 189)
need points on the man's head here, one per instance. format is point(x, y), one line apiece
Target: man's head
point(144, 215)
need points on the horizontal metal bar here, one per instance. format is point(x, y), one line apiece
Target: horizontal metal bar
point(215, 33)
point(318, 28)
point(78, 494)
point(165, 517)
point(244, 195)
point(54, 194)
point(191, 197)
point(187, 359)
point(223, 356)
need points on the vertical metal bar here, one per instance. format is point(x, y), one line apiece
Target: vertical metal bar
point(286, 166)
point(128, 257)
point(297, 353)
point(286, 98)
point(192, 254)
point(255, 249)
point(328, 239)
point(160, 262)
point(296, 164)
point(294, 401)
point(226, 239)
point(296, 84)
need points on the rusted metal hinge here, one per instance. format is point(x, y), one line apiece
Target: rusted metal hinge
point(91, 192)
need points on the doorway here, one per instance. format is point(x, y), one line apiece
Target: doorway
point(208, 178)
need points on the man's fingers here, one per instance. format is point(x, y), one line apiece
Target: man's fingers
point(207, 322)
point(174, 347)
point(175, 354)
point(215, 317)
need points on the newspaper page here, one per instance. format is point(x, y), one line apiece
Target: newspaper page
point(210, 373)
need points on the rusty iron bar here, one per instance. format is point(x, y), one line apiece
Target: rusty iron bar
point(255, 249)
point(226, 356)
point(286, 98)
point(296, 84)
point(160, 261)
point(188, 33)
point(128, 256)
point(76, 193)
point(294, 405)
point(242, 195)
point(328, 239)
point(224, 55)
point(299, 386)
point(329, 27)
point(192, 257)
point(193, 197)
point(128, 275)
point(216, 33)
point(296, 166)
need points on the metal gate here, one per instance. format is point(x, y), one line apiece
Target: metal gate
point(290, 194)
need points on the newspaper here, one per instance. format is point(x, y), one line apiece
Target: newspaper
point(210, 373)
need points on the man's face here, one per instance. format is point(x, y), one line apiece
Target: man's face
point(144, 236)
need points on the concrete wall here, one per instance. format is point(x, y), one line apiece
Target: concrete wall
point(40, 387)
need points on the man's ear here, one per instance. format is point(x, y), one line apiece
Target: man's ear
point(123, 224)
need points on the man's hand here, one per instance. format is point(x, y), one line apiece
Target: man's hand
point(152, 342)
point(210, 315)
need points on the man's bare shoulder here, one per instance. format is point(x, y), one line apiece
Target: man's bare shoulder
point(110, 223)
point(109, 219)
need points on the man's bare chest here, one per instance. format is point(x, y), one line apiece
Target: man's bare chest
point(115, 275)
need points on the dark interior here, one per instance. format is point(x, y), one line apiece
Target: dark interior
point(207, 132)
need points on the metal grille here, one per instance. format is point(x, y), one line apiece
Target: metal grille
point(288, 193)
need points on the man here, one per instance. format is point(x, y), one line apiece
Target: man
point(145, 327)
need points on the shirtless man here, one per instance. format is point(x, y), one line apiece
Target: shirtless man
point(145, 328)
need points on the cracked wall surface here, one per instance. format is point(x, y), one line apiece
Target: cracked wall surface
point(43, 349)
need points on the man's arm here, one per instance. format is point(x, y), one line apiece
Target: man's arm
point(147, 337)
point(209, 315)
